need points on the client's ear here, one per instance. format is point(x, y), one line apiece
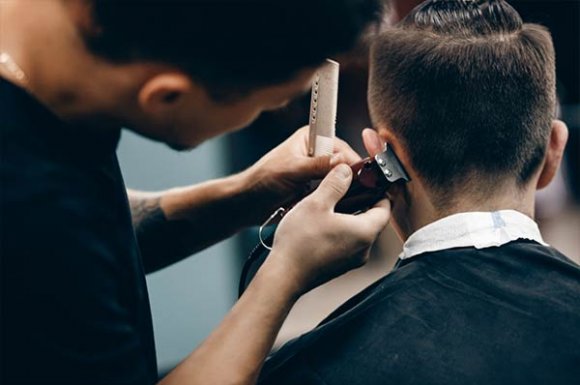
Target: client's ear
point(373, 142)
point(554, 153)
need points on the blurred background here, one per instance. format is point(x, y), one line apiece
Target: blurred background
point(190, 298)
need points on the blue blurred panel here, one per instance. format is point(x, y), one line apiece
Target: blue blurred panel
point(190, 298)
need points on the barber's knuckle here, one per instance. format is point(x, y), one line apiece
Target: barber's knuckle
point(336, 187)
point(340, 144)
point(368, 235)
point(312, 204)
point(322, 163)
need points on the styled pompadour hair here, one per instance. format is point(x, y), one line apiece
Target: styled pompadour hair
point(470, 91)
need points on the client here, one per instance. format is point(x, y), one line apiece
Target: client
point(464, 92)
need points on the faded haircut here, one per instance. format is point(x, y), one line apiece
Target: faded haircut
point(469, 89)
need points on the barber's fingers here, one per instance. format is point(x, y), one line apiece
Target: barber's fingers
point(333, 187)
point(373, 142)
point(347, 154)
point(376, 219)
point(317, 167)
point(314, 168)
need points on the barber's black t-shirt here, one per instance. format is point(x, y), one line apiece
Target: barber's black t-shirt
point(75, 308)
point(505, 315)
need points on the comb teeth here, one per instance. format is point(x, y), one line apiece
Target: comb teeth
point(324, 97)
point(324, 145)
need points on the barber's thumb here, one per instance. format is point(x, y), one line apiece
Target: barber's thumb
point(334, 185)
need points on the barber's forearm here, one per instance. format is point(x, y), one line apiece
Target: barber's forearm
point(313, 244)
point(235, 351)
point(176, 223)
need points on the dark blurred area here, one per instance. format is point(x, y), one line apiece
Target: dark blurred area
point(563, 20)
point(558, 207)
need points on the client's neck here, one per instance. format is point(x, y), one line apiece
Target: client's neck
point(418, 207)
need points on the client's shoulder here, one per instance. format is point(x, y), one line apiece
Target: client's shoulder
point(444, 306)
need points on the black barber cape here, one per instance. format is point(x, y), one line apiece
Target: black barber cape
point(501, 315)
point(75, 308)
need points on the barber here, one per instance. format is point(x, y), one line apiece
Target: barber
point(75, 246)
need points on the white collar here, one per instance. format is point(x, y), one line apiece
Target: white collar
point(472, 229)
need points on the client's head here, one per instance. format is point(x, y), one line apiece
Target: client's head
point(465, 92)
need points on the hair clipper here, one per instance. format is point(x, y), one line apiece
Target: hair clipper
point(371, 180)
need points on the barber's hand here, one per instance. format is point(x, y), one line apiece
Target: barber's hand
point(282, 174)
point(313, 244)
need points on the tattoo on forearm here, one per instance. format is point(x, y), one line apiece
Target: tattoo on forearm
point(160, 240)
point(164, 241)
point(145, 210)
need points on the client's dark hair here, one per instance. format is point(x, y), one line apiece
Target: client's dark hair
point(234, 46)
point(469, 89)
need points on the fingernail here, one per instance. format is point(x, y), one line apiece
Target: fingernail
point(343, 171)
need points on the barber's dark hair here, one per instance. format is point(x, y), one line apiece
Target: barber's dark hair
point(233, 46)
point(469, 89)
